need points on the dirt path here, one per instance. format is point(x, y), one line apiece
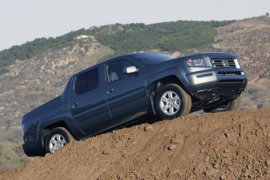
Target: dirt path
point(210, 146)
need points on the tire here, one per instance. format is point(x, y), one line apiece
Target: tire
point(230, 106)
point(57, 139)
point(172, 101)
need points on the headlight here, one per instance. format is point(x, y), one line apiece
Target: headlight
point(196, 63)
point(237, 65)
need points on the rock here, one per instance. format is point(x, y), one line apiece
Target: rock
point(118, 176)
point(267, 163)
point(211, 172)
point(48, 155)
point(257, 132)
point(226, 133)
point(106, 151)
point(241, 126)
point(247, 174)
point(202, 150)
point(207, 159)
point(149, 159)
point(172, 147)
point(216, 165)
point(177, 140)
point(148, 128)
point(222, 177)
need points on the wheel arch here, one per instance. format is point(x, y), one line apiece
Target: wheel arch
point(46, 129)
point(155, 85)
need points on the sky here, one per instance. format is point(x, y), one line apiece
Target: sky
point(25, 20)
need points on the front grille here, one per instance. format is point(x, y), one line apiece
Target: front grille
point(228, 73)
point(223, 63)
point(232, 81)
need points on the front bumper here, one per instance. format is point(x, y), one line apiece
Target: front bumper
point(32, 144)
point(33, 150)
point(215, 84)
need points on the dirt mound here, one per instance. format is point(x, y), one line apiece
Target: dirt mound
point(232, 145)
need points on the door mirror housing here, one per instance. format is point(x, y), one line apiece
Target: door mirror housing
point(131, 70)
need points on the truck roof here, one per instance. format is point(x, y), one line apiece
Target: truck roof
point(144, 58)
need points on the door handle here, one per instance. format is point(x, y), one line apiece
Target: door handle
point(75, 105)
point(110, 91)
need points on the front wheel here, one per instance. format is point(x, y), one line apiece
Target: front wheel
point(172, 101)
point(57, 139)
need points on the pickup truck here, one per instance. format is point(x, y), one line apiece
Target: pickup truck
point(127, 87)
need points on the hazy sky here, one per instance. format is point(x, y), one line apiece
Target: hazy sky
point(25, 20)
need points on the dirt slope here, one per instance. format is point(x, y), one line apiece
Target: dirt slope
point(210, 146)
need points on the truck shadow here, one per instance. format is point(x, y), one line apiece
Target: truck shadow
point(150, 119)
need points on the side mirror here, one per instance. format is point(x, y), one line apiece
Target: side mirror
point(131, 70)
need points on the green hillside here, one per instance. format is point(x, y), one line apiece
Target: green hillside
point(168, 36)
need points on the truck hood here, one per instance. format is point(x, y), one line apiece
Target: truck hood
point(216, 54)
point(52, 105)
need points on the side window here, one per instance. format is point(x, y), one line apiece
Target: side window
point(87, 81)
point(115, 70)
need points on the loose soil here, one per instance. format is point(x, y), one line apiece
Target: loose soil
point(234, 145)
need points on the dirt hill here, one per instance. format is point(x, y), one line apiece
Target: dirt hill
point(233, 145)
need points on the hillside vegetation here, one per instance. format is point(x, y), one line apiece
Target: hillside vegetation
point(168, 36)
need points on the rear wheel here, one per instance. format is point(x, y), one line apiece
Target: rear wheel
point(229, 106)
point(57, 139)
point(172, 101)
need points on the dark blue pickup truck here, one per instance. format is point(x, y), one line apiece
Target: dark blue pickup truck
point(124, 88)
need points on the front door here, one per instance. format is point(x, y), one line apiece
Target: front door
point(126, 93)
point(89, 106)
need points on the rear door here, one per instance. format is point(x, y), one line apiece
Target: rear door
point(89, 106)
point(127, 97)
